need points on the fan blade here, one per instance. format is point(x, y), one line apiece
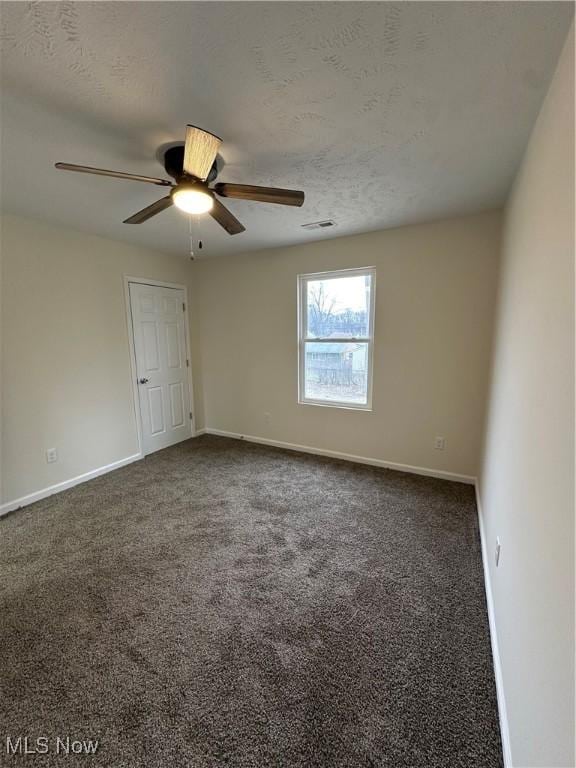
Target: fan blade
point(226, 219)
point(114, 174)
point(261, 194)
point(151, 210)
point(200, 150)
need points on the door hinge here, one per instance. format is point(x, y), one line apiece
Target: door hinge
point(190, 415)
point(187, 363)
point(183, 307)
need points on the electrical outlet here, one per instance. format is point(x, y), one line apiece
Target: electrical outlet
point(497, 552)
point(267, 417)
point(439, 443)
point(51, 455)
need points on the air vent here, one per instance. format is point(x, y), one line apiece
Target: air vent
point(319, 224)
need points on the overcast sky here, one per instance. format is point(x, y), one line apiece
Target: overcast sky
point(348, 292)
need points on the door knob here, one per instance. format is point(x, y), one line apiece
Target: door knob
point(143, 381)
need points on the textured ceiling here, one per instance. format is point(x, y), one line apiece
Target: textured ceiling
point(383, 113)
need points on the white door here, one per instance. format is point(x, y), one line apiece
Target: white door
point(158, 321)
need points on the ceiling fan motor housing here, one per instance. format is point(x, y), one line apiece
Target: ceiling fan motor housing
point(174, 164)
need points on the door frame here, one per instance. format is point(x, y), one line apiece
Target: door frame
point(132, 348)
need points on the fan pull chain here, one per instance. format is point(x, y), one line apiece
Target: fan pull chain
point(192, 254)
point(198, 222)
point(191, 232)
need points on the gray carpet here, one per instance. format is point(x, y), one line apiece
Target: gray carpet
point(227, 604)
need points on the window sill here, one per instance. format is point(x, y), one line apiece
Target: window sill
point(342, 406)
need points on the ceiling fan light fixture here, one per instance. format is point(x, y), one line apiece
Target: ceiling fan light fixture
point(190, 199)
point(193, 167)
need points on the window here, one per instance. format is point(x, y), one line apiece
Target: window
point(336, 329)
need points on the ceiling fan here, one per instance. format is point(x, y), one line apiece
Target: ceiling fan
point(193, 166)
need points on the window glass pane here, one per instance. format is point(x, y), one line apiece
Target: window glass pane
point(336, 372)
point(338, 307)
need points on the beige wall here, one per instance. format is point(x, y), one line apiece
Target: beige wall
point(66, 373)
point(434, 307)
point(527, 487)
point(66, 370)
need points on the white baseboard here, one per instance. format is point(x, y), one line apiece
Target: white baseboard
point(344, 456)
point(30, 498)
point(502, 713)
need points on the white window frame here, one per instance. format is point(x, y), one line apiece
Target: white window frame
point(303, 281)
